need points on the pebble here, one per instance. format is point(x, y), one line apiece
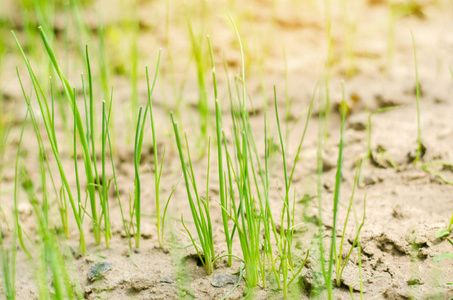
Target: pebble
point(167, 279)
point(222, 280)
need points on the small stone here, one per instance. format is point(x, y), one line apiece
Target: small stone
point(137, 250)
point(167, 279)
point(222, 280)
point(98, 270)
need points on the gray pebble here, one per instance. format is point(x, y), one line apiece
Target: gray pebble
point(224, 279)
point(167, 279)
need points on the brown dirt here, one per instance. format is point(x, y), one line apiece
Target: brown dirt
point(405, 205)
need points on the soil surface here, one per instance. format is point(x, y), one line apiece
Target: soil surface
point(285, 44)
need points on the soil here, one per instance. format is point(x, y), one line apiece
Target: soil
point(405, 205)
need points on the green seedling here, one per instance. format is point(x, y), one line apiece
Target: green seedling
point(157, 174)
point(198, 206)
point(319, 185)
point(233, 178)
point(339, 264)
point(43, 103)
point(245, 215)
point(417, 90)
point(222, 179)
point(286, 235)
point(105, 183)
point(336, 197)
point(139, 131)
point(43, 159)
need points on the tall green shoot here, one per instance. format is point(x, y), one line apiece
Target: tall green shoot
point(137, 183)
point(157, 168)
point(336, 197)
point(222, 182)
point(319, 185)
point(417, 91)
point(286, 235)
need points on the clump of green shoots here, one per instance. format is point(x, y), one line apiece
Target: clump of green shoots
point(96, 180)
point(139, 135)
point(198, 206)
point(285, 240)
point(50, 129)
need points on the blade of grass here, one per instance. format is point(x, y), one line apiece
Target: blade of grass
point(336, 198)
point(417, 91)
